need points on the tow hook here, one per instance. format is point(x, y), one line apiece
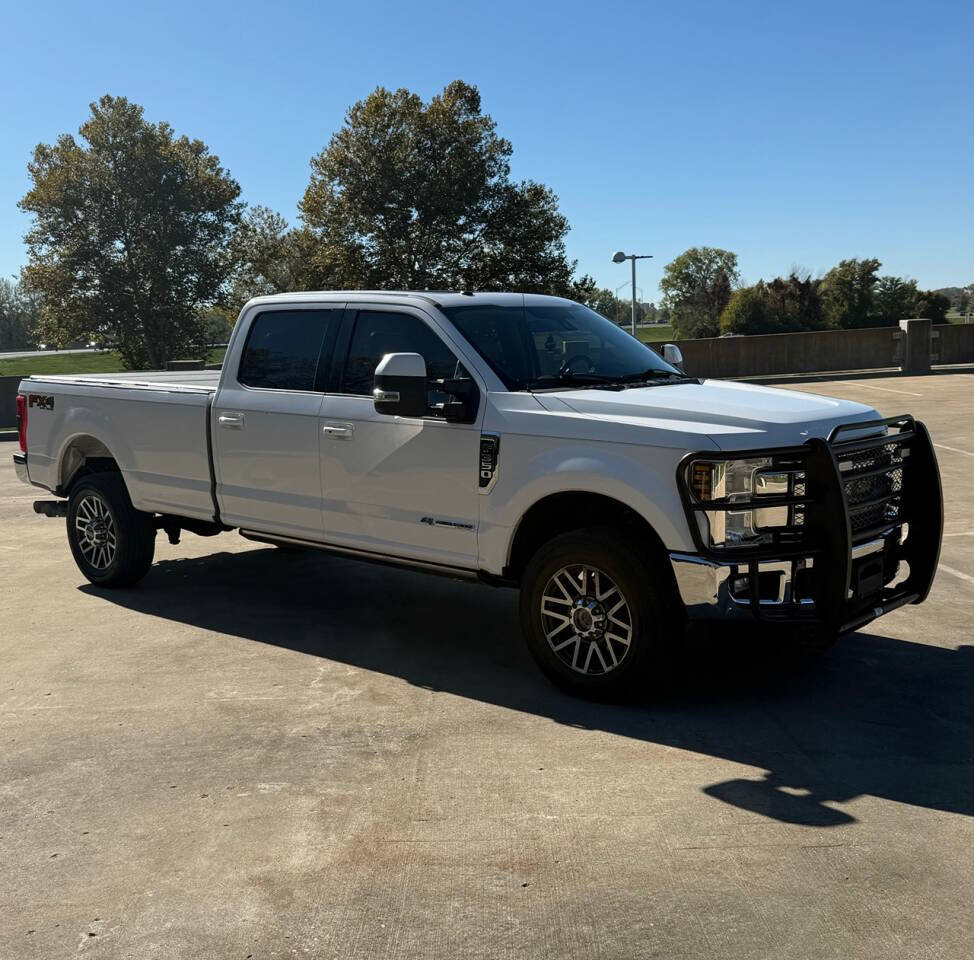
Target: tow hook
point(51, 508)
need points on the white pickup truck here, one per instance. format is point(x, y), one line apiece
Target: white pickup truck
point(520, 440)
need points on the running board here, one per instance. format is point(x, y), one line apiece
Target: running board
point(440, 569)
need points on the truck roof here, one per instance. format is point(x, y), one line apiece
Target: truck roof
point(439, 298)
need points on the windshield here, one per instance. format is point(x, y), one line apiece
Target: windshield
point(557, 344)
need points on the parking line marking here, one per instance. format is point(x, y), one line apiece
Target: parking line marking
point(944, 446)
point(869, 386)
point(969, 533)
point(956, 573)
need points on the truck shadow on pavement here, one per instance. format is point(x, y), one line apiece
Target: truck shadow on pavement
point(875, 716)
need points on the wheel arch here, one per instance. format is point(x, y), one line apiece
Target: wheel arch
point(546, 519)
point(82, 455)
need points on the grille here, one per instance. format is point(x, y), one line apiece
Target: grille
point(873, 486)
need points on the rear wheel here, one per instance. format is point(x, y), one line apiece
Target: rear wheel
point(112, 542)
point(598, 614)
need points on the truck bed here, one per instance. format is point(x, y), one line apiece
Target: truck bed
point(155, 426)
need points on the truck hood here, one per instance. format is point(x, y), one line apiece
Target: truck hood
point(733, 415)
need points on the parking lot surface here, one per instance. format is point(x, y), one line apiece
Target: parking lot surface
point(266, 754)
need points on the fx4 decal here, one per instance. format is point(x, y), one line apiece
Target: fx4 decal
point(40, 402)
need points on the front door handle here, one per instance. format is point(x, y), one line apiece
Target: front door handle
point(338, 431)
point(232, 421)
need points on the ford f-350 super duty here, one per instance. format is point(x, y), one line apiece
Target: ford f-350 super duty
point(516, 439)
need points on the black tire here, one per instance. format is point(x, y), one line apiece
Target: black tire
point(653, 614)
point(99, 509)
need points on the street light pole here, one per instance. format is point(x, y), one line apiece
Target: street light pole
point(620, 257)
point(634, 296)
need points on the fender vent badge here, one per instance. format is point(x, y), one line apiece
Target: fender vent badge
point(490, 444)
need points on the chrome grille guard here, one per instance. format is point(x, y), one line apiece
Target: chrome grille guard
point(853, 491)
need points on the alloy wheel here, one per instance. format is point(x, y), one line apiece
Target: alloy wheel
point(586, 619)
point(95, 529)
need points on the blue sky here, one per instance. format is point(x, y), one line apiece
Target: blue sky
point(791, 133)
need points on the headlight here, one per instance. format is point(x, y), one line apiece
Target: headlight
point(726, 482)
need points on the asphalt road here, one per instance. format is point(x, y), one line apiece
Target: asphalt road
point(261, 754)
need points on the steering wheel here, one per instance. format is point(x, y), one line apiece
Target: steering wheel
point(580, 363)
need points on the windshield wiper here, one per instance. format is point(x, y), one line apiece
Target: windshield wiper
point(646, 378)
point(655, 377)
point(570, 378)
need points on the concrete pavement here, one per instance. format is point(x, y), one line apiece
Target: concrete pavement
point(264, 754)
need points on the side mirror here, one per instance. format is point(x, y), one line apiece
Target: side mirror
point(673, 355)
point(400, 387)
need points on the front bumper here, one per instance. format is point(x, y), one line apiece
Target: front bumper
point(869, 541)
point(20, 467)
point(711, 590)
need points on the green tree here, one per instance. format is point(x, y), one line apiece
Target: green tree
point(582, 288)
point(419, 195)
point(748, 311)
point(848, 292)
point(130, 235)
point(696, 287)
point(894, 299)
point(18, 316)
point(269, 256)
point(782, 305)
point(931, 305)
point(796, 301)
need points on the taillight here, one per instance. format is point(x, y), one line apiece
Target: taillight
point(22, 421)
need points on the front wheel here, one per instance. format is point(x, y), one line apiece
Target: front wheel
point(598, 613)
point(112, 542)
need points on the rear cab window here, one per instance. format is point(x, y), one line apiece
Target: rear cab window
point(284, 349)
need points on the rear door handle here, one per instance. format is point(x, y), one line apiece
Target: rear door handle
point(232, 421)
point(338, 431)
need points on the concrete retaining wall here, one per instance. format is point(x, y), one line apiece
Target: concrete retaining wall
point(953, 343)
point(779, 353)
point(185, 364)
point(8, 402)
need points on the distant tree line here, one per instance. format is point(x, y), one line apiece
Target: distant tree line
point(18, 316)
point(961, 298)
point(703, 290)
point(618, 309)
point(139, 238)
